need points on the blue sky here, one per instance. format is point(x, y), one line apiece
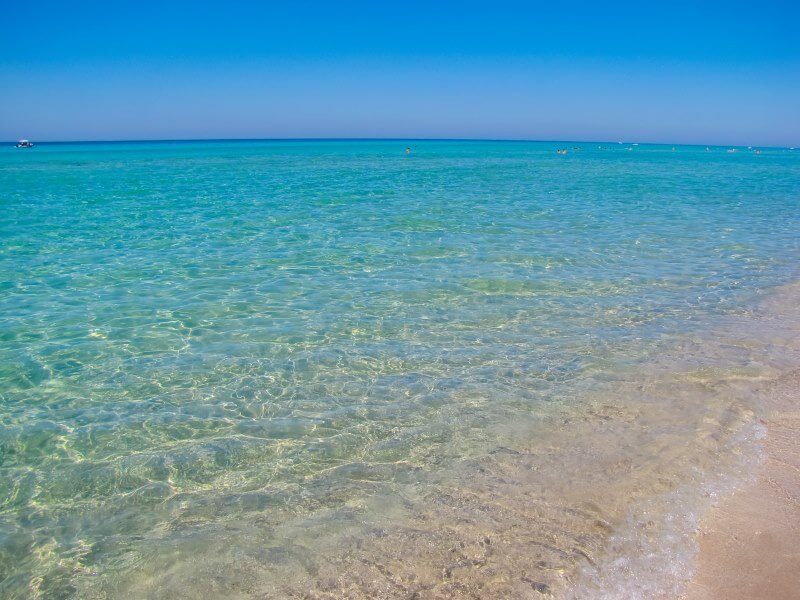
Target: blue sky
point(714, 72)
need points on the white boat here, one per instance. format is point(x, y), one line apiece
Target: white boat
point(24, 144)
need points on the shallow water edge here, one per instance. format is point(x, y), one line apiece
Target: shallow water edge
point(601, 499)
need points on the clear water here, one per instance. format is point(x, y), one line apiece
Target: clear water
point(222, 363)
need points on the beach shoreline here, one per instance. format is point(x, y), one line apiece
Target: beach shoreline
point(748, 540)
point(464, 374)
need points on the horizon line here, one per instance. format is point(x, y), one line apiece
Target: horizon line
point(394, 139)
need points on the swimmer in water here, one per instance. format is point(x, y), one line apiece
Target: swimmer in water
point(408, 150)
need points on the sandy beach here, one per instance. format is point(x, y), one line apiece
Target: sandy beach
point(749, 541)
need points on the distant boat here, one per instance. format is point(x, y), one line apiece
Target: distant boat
point(24, 144)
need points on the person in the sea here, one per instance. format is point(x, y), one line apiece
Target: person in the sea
point(408, 150)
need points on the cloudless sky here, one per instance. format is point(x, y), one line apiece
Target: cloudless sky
point(693, 72)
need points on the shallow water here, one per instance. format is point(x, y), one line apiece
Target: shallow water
point(255, 369)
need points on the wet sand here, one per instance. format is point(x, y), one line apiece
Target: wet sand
point(750, 541)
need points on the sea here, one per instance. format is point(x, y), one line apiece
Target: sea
point(382, 368)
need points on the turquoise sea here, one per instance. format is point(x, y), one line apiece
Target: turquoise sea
point(332, 369)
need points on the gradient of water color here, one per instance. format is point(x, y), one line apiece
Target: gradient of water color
point(210, 349)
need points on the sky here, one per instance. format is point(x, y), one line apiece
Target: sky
point(671, 72)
